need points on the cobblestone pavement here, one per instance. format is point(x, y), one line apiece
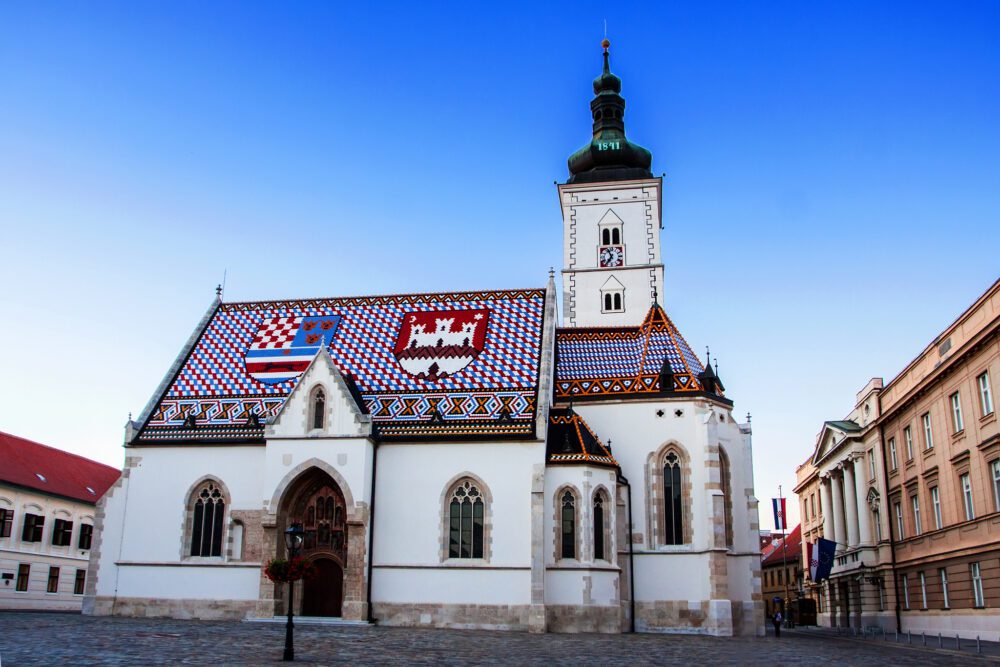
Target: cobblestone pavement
point(68, 639)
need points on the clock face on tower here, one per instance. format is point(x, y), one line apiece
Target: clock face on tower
point(611, 256)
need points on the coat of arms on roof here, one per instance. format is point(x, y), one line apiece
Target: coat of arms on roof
point(283, 346)
point(438, 344)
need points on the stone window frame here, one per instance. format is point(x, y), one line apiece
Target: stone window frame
point(314, 392)
point(557, 523)
point(445, 520)
point(609, 546)
point(656, 528)
point(187, 524)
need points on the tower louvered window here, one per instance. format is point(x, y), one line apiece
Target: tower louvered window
point(208, 521)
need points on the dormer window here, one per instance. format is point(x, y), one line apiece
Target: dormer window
point(318, 408)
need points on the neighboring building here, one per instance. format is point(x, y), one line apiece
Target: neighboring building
point(47, 517)
point(781, 572)
point(450, 455)
point(940, 432)
point(766, 538)
point(841, 491)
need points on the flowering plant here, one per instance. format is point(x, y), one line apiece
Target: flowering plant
point(281, 570)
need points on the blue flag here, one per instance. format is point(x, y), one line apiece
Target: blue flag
point(821, 559)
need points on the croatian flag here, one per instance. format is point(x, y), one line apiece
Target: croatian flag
point(779, 513)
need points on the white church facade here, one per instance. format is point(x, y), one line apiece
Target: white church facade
point(455, 460)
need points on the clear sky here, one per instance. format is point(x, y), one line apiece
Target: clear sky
point(832, 180)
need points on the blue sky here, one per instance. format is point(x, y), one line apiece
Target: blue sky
point(831, 204)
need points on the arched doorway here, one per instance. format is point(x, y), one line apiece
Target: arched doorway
point(316, 502)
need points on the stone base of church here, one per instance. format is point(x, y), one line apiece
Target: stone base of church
point(205, 610)
point(718, 618)
point(583, 618)
point(464, 616)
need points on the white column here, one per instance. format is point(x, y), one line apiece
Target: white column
point(864, 516)
point(837, 509)
point(850, 505)
point(824, 486)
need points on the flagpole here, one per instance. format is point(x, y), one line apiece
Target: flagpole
point(784, 551)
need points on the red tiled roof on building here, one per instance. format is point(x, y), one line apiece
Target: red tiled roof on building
point(788, 550)
point(49, 470)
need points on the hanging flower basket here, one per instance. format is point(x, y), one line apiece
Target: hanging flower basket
point(280, 570)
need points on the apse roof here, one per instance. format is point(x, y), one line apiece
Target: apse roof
point(462, 364)
point(36, 466)
point(570, 440)
point(619, 361)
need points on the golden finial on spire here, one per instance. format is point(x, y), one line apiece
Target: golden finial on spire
point(605, 43)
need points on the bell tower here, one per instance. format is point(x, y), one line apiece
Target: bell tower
point(612, 208)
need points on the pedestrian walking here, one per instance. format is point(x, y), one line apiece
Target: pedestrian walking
point(776, 622)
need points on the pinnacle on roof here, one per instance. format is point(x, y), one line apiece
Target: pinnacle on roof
point(609, 156)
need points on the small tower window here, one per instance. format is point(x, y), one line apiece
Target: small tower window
point(616, 235)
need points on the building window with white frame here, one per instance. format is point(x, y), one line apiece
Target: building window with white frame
point(906, 591)
point(966, 484)
point(928, 432)
point(899, 520)
point(871, 464)
point(613, 302)
point(908, 437)
point(995, 470)
point(915, 501)
point(893, 463)
point(956, 413)
point(923, 591)
point(977, 585)
point(985, 397)
point(936, 504)
point(878, 525)
point(944, 587)
point(6, 522)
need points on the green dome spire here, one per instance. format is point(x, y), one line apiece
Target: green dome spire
point(609, 156)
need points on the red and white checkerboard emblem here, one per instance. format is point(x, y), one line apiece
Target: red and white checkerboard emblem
point(283, 346)
point(440, 343)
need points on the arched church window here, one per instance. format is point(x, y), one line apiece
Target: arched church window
point(617, 301)
point(606, 236)
point(727, 495)
point(208, 520)
point(466, 515)
point(608, 303)
point(673, 500)
point(318, 408)
point(568, 522)
point(616, 236)
point(599, 524)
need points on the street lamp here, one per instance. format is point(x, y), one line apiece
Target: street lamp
point(293, 540)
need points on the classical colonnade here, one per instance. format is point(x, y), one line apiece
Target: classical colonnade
point(846, 519)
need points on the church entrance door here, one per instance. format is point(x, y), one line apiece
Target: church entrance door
point(324, 593)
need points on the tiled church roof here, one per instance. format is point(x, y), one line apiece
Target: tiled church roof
point(615, 361)
point(49, 470)
point(461, 364)
point(571, 440)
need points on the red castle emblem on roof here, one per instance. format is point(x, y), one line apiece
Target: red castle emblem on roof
point(437, 344)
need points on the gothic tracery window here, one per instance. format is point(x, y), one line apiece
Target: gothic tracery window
point(567, 515)
point(599, 525)
point(466, 517)
point(673, 500)
point(208, 520)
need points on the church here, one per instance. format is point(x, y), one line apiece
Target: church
point(462, 459)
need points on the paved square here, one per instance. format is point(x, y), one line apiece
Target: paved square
point(69, 639)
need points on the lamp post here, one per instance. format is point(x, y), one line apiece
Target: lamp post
point(293, 540)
